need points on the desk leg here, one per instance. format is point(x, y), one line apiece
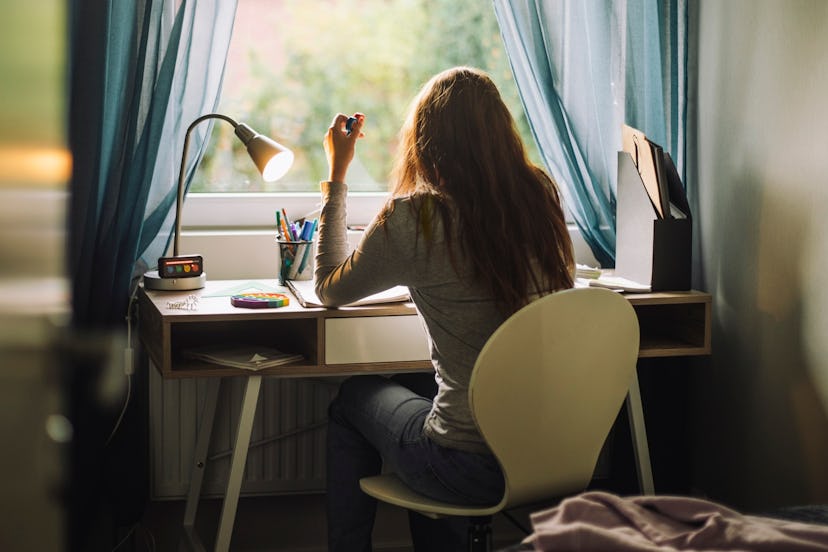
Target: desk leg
point(200, 455)
point(639, 437)
point(231, 497)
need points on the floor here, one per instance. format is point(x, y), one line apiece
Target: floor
point(294, 523)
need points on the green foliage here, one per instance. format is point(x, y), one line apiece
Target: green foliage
point(370, 56)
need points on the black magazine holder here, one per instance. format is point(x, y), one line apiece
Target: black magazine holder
point(648, 249)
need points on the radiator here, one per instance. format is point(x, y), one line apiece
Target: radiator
point(287, 450)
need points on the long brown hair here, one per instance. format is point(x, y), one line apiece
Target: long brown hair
point(460, 152)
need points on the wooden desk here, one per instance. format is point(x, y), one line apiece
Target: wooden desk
point(352, 340)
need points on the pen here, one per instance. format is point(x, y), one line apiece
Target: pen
point(291, 232)
point(309, 237)
point(303, 251)
point(285, 231)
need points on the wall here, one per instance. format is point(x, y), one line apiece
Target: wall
point(34, 165)
point(761, 404)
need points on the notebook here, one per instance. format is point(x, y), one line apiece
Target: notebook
point(306, 295)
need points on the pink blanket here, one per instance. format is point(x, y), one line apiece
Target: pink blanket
point(602, 522)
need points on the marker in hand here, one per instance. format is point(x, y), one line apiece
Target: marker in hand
point(349, 124)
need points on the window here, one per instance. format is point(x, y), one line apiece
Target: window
point(293, 64)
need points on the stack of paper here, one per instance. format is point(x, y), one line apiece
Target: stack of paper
point(586, 271)
point(658, 174)
point(246, 357)
point(616, 283)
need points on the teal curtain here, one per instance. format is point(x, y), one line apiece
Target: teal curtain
point(141, 72)
point(585, 67)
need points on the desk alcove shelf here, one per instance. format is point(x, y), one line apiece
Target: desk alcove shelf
point(675, 323)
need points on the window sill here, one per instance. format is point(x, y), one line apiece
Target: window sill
point(258, 210)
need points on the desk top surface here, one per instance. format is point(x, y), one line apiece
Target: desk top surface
point(213, 301)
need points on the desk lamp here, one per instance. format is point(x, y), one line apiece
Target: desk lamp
point(186, 272)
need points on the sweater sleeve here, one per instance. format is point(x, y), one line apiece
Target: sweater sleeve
point(342, 276)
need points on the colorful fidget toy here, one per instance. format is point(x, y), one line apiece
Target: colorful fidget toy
point(259, 300)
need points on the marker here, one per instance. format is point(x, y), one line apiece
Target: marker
point(285, 227)
point(308, 236)
point(302, 252)
point(349, 125)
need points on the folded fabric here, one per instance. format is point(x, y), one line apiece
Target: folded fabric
point(598, 521)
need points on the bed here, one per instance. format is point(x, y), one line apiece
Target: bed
point(598, 521)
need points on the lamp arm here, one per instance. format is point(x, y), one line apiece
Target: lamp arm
point(180, 198)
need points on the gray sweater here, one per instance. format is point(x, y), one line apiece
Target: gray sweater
point(458, 315)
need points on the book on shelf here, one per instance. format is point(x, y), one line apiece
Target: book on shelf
point(305, 293)
point(246, 357)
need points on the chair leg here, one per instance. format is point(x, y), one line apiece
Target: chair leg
point(480, 535)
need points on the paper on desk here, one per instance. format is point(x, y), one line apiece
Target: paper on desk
point(586, 271)
point(616, 283)
point(246, 357)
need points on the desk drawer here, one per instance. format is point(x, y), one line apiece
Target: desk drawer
point(375, 339)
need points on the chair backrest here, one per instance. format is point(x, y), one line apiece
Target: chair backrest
point(548, 385)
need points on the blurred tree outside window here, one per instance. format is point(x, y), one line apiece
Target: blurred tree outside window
point(294, 64)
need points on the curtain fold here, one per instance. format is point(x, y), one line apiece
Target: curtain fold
point(583, 69)
point(137, 81)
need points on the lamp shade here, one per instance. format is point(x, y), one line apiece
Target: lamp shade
point(272, 159)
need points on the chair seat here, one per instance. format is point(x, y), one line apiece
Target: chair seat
point(389, 488)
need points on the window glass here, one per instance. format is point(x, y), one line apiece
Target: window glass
point(294, 64)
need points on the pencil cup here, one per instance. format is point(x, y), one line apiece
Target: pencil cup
point(296, 260)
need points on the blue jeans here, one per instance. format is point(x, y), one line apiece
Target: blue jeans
point(374, 421)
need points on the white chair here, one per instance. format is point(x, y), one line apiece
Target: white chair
point(545, 392)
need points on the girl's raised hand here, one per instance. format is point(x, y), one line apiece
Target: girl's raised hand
point(340, 145)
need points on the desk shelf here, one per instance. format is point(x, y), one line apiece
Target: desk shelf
point(673, 323)
point(290, 336)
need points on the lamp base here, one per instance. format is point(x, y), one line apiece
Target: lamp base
point(153, 281)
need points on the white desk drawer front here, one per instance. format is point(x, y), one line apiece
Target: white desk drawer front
point(375, 339)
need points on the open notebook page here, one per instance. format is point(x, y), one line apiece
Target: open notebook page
point(305, 294)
